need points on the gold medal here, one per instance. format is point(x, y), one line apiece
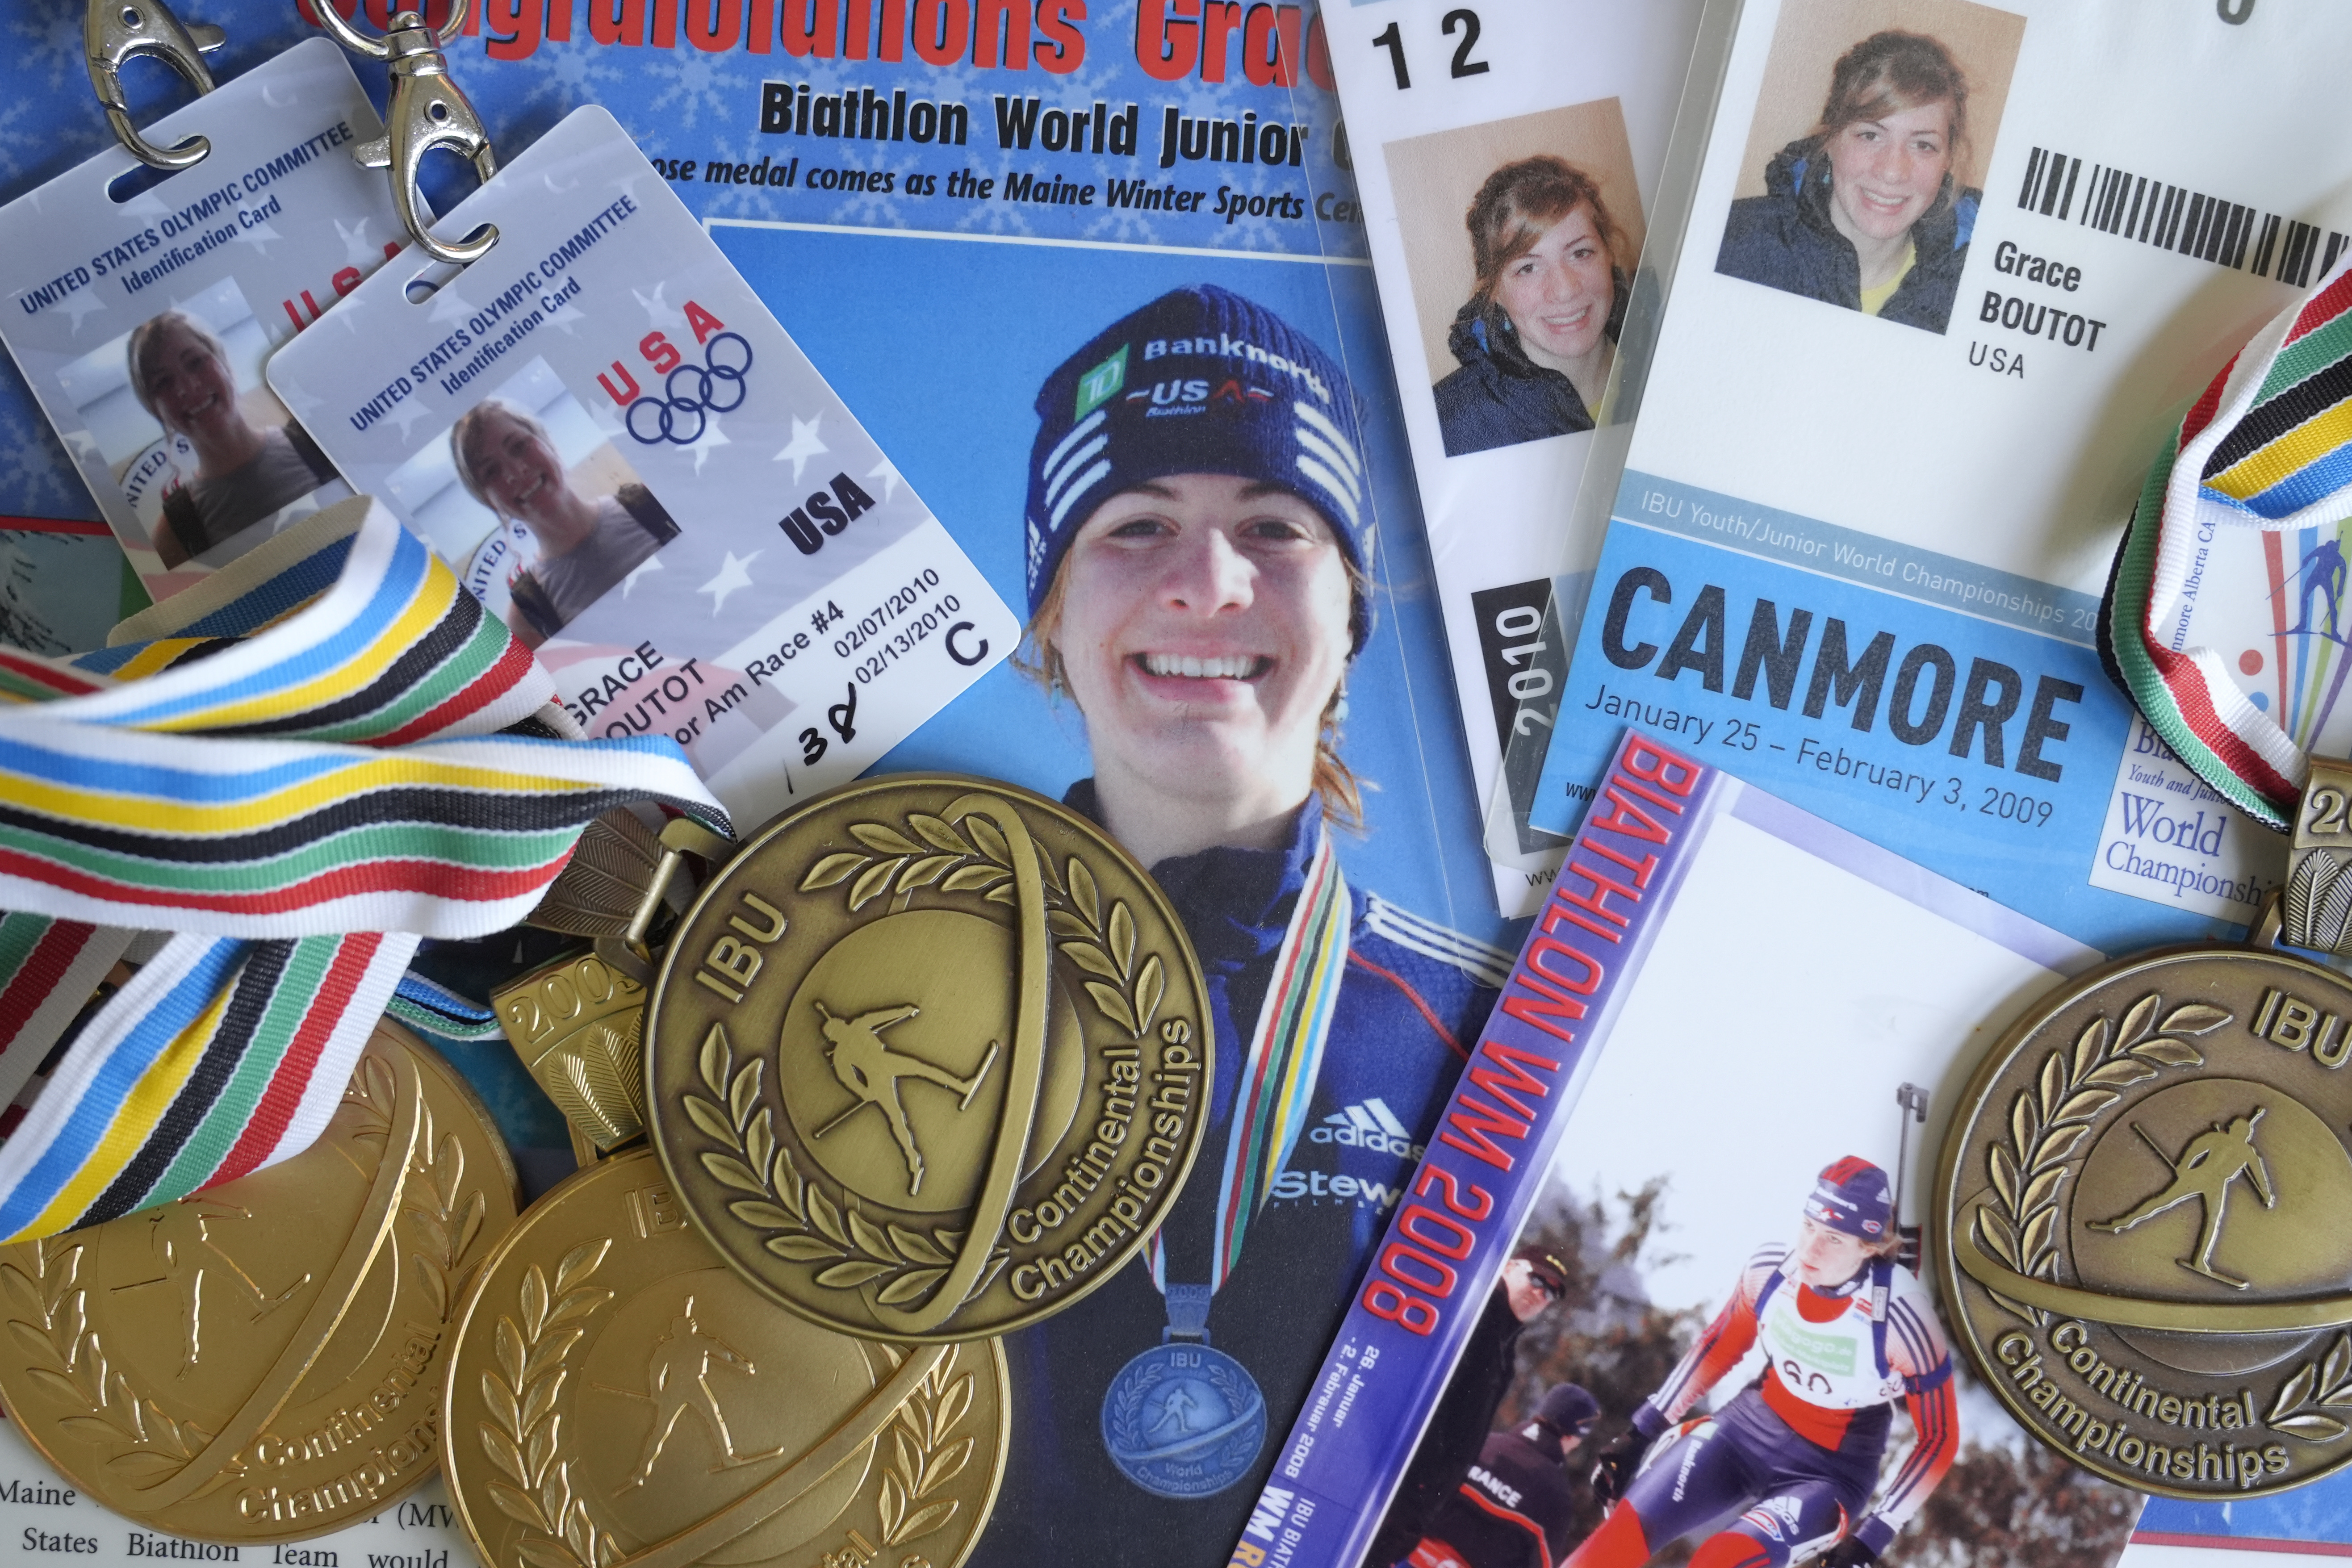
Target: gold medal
point(2142, 1227)
point(263, 1360)
point(620, 1398)
point(929, 1059)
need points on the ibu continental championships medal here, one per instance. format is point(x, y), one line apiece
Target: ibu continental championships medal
point(2142, 1200)
point(621, 1398)
point(928, 1059)
point(262, 1361)
point(2142, 1241)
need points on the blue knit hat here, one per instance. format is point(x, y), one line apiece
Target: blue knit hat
point(1852, 1197)
point(1200, 381)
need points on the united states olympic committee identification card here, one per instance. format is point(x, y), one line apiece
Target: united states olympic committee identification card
point(631, 462)
point(142, 313)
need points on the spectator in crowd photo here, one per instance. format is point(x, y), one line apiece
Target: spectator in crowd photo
point(1532, 1282)
point(1515, 1507)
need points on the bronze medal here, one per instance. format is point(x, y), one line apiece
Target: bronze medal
point(620, 1398)
point(929, 1059)
point(263, 1360)
point(2142, 1240)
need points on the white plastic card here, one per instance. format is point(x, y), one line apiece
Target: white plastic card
point(144, 325)
point(634, 466)
point(1454, 127)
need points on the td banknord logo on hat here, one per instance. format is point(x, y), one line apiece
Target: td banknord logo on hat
point(1100, 384)
point(1200, 381)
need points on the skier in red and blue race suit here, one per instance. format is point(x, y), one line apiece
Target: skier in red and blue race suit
point(1796, 1455)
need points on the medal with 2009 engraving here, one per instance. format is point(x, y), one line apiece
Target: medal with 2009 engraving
point(929, 1059)
point(2143, 1240)
point(262, 1361)
point(621, 1398)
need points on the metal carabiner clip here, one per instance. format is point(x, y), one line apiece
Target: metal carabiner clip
point(428, 111)
point(113, 31)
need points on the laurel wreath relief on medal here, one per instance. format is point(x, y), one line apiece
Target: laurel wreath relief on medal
point(2047, 1124)
point(524, 1435)
point(524, 1432)
point(926, 1454)
point(68, 1361)
point(448, 1219)
point(816, 1229)
point(1127, 993)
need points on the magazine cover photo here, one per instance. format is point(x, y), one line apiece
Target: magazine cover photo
point(1179, 464)
point(1712, 1342)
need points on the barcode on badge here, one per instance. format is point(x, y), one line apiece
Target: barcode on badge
point(2174, 217)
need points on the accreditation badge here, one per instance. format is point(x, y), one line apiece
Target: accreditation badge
point(142, 307)
point(649, 479)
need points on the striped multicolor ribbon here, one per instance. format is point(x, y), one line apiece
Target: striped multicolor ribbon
point(2268, 447)
point(300, 767)
point(1285, 1058)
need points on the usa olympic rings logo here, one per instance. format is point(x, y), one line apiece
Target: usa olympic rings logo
point(691, 394)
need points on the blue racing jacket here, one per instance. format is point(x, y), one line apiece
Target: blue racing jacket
point(1784, 239)
point(1411, 1003)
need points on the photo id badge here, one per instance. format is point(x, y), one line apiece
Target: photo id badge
point(142, 311)
point(626, 458)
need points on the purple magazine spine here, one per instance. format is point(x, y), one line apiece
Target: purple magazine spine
point(1456, 1226)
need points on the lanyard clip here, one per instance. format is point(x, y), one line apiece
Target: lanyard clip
point(113, 31)
point(428, 112)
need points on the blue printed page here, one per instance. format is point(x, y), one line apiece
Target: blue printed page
point(1924, 340)
point(1506, 169)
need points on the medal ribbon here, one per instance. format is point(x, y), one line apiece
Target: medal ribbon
point(2269, 446)
point(299, 767)
point(1285, 1058)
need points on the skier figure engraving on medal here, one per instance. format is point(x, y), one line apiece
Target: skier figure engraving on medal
point(167, 1235)
point(1174, 1411)
point(2204, 1171)
point(677, 1379)
point(869, 1068)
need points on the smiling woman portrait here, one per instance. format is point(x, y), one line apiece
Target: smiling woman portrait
point(1864, 211)
point(1199, 579)
point(507, 461)
point(180, 372)
point(1535, 338)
